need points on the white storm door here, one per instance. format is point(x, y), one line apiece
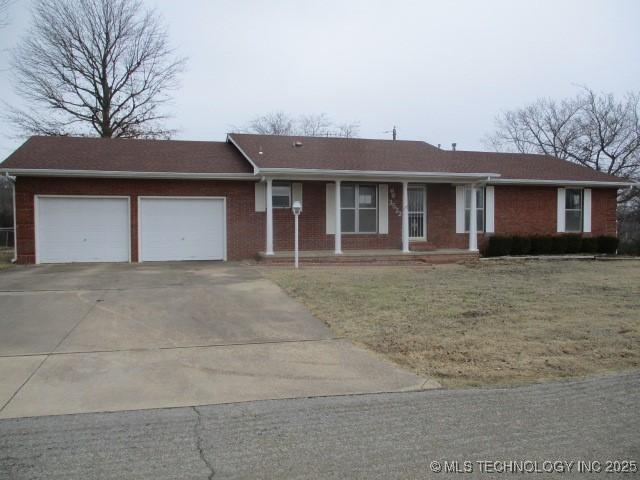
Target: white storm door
point(182, 228)
point(417, 212)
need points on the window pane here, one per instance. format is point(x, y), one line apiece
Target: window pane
point(367, 220)
point(348, 196)
point(367, 196)
point(348, 219)
point(466, 220)
point(572, 220)
point(573, 199)
point(467, 197)
point(416, 200)
point(280, 202)
point(480, 217)
point(280, 194)
point(480, 198)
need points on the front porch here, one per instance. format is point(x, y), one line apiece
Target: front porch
point(375, 257)
point(373, 220)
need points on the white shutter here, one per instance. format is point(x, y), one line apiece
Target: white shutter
point(383, 208)
point(261, 196)
point(561, 210)
point(586, 210)
point(331, 208)
point(296, 192)
point(460, 209)
point(489, 209)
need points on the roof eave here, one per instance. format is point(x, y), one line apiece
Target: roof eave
point(552, 182)
point(49, 172)
point(322, 174)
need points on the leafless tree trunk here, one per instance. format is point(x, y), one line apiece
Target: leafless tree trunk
point(594, 130)
point(314, 125)
point(92, 67)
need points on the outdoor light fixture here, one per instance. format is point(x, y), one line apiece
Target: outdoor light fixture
point(297, 208)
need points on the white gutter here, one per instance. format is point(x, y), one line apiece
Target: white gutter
point(584, 183)
point(372, 173)
point(49, 172)
point(244, 154)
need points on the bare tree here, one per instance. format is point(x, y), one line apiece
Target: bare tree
point(348, 130)
point(92, 67)
point(274, 123)
point(594, 130)
point(313, 125)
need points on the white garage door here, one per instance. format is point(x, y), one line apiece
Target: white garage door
point(182, 228)
point(82, 229)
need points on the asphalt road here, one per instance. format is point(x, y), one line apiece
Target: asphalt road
point(365, 436)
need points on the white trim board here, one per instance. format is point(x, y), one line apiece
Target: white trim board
point(49, 172)
point(560, 183)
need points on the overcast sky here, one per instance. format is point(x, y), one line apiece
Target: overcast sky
point(439, 71)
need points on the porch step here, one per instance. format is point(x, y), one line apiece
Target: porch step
point(368, 258)
point(421, 247)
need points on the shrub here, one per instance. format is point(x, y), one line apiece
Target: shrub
point(559, 244)
point(607, 244)
point(574, 243)
point(520, 245)
point(499, 245)
point(541, 245)
point(629, 247)
point(589, 245)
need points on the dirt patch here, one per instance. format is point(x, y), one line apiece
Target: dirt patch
point(503, 323)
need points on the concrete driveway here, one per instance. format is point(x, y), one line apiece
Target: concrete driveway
point(107, 337)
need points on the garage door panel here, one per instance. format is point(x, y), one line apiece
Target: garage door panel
point(77, 229)
point(182, 229)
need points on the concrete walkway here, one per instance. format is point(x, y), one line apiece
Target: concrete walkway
point(94, 338)
point(387, 436)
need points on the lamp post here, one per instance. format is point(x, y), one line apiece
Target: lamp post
point(297, 208)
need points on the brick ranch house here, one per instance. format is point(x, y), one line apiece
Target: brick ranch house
point(111, 200)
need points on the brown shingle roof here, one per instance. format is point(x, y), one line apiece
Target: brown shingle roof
point(412, 156)
point(317, 153)
point(82, 153)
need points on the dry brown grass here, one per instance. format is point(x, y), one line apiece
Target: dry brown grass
point(487, 324)
point(6, 254)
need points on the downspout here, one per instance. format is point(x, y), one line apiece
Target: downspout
point(15, 230)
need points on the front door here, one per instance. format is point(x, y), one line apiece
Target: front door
point(417, 212)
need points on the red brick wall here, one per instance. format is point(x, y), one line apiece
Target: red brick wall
point(525, 210)
point(518, 210)
point(604, 202)
point(245, 229)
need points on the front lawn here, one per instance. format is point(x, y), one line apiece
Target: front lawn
point(487, 324)
point(6, 254)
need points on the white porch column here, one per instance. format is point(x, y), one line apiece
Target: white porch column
point(338, 234)
point(405, 217)
point(269, 249)
point(473, 221)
